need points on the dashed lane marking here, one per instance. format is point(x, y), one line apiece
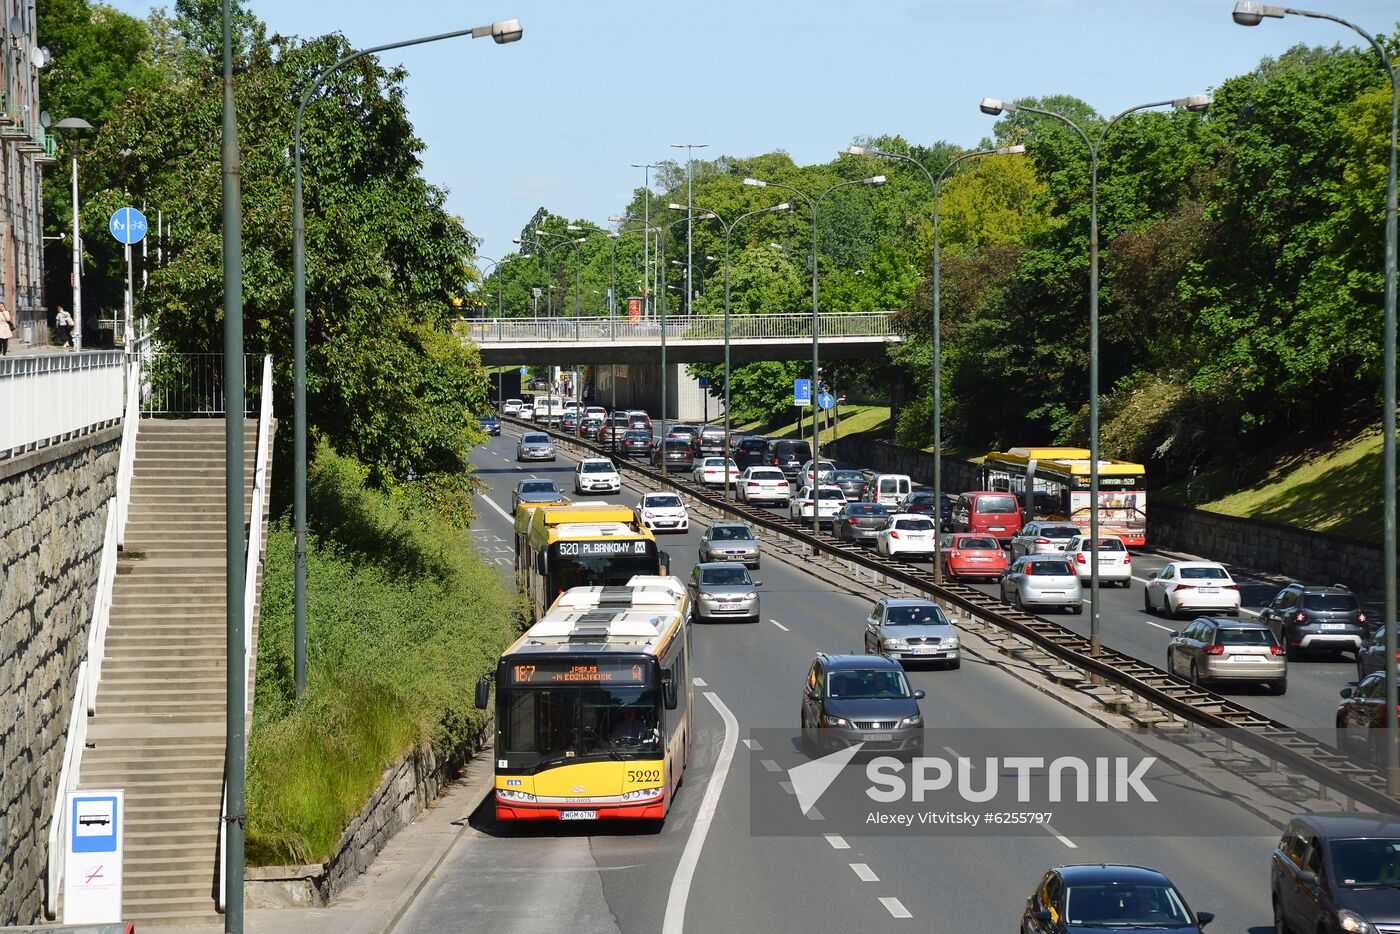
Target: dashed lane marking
point(837, 841)
point(779, 625)
point(771, 766)
point(699, 682)
point(895, 907)
point(864, 873)
point(1061, 837)
point(753, 744)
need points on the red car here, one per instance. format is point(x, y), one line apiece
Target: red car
point(968, 554)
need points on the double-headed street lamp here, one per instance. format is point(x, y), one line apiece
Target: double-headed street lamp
point(77, 124)
point(812, 205)
point(502, 31)
point(661, 231)
point(690, 218)
point(935, 184)
point(993, 107)
point(728, 230)
point(1252, 14)
point(649, 285)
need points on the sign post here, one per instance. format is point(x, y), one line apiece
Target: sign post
point(128, 226)
point(92, 859)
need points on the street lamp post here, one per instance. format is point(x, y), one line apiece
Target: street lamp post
point(728, 230)
point(812, 205)
point(690, 220)
point(1252, 14)
point(649, 283)
point(578, 294)
point(935, 184)
point(994, 107)
point(662, 231)
point(612, 302)
point(502, 31)
point(77, 124)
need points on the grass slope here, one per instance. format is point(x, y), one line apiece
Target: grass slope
point(871, 420)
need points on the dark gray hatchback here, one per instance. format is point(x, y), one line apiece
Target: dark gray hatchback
point(1308, 617)
point(862, 699)
point(1337, 872)
point(860, 522)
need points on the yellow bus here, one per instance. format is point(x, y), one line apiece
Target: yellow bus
point(593, 706)
point(1061, 481)
point(580, 545)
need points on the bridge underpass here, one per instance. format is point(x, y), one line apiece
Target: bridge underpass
point(627, 352)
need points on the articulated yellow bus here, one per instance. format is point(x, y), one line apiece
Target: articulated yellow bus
point(1061, 479)
point(581, 545)
point(593, 706)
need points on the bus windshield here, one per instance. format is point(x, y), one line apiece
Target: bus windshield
point(600, 570)
point(562, 725)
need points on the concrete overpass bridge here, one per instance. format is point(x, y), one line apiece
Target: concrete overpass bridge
point(689, 338)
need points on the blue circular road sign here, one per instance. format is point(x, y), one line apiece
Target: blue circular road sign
point(826, 400)
point(524, 370)
point(127, 225)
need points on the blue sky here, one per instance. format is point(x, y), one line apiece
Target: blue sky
point(556, 118)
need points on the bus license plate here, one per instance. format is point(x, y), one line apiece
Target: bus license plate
point(578, 815)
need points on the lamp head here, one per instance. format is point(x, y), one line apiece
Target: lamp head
point(516, 240)
point(993, 107)
point(873, 180)
point(676, 207)
point(854, 150)
point(755, 183)
point(617, 218)
point(780, 207)
point(575, 227)
point(72, 123)
point(1010, 150)
point(502, 31)
point(1196, 103)
point(1250, 13)
point(707, 216)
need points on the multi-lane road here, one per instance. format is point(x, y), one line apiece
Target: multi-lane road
point(706, 870)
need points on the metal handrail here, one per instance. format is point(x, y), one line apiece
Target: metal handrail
point(621, 328)
point(53, 397)
point(250, 591)
point(67, 781)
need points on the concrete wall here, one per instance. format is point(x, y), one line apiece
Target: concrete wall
point(52, 519)
point(639, 387)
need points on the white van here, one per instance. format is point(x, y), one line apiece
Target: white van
point(888, 489)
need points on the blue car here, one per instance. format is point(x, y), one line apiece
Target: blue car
point(1078, 899)
point(491, 424)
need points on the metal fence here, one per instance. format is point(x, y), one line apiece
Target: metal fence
point(194, 383)
point(622, 329)
point(48, 398)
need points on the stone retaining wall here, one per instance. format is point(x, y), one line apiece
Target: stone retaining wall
point(53, 514)
point(882, 456)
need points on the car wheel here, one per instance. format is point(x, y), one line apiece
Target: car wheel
point(1293, 653)
point(1280, 925)
point(1171, 662)
point(955, 664)
point(1196, 675)
point(1077, 609)
point(1016, 600)
point(1146, 602)
point(1279, 687)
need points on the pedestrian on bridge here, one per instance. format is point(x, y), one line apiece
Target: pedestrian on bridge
point(63, 323)
point(6, 332)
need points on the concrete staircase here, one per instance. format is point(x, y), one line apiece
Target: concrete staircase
point(159, 728)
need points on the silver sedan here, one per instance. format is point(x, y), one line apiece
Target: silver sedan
point(1043, 580)
point(534, 446)
point(730, 541)
point(723, 590)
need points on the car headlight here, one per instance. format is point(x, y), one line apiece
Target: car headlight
point(894, 643)
point(641, 794)
point(709, 596)
point(750, 595)
point(646, 514)
point(837, 721)
point(951, 643)
point(915, 720)
point(1352, 922)
point(511, 794)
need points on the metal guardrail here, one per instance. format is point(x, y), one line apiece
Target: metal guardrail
point(1278, 741)
point(49, 398)
point(191, 384)
point(252, 556)
point(621, 328)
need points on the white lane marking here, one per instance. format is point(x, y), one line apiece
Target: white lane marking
point(753, 744)
point(787, 786)
point(864, 873)
point(699, 682)
point(837, 841)
point(814, 814)
point(504, 515)
point(895, 907)
point(1061, 837)
point(771, 766)
point(779, 625)
point(1159, 626)
point(674, 922)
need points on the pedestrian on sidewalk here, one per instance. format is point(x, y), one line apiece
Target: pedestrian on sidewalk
point(6, 332)
point(63, 323)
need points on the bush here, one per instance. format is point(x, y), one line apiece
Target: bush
point(402, 618)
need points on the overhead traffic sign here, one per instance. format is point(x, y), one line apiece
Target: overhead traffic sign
point(826, 400)
point(127, 225)
point(802, 392)
point(92, 869)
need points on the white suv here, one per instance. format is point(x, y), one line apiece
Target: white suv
point(597, 475)
point(663, 511)
point(827, 502)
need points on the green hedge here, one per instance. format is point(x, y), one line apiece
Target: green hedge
point(402, 618)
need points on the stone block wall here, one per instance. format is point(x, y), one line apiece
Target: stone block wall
point(52, 518)
point(884, 457)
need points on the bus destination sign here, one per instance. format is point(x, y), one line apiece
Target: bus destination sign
point(551, 671)
point(594, 549)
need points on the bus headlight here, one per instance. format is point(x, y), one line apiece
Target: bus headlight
point(511, 794)
point(641, 794)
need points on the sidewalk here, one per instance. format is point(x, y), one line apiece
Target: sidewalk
point(374, 902)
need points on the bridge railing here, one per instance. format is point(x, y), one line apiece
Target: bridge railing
point(623, 329)
point(50, 398)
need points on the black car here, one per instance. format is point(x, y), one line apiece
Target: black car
point(860, 699)
point(636, 443)
point(1307, 617)
point(788, 455)
point(712, 439)
point(1105, 897)
point(749, 451)
point(569, 421)
point(860, 522)
point(1337, 872)
point(851, 482)
point(591, 428)
point(672, 454)
point(491, 424)
point(922, 503)
point(1361, 718)
point(1370, 658)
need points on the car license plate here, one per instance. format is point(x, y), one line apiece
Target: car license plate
point(578, 815)
point(875, 737)
point(1246, 658)
point(979, 559)
point(924, 650)
point(996, 528)
point(1334, 625)
point(729, 606)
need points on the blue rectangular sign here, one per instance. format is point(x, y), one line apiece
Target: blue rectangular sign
point(93, 824)
point(802, 392)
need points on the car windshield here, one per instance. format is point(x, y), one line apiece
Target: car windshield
point(848, 476)
point(1336, 602)
point(978, 544)
point(830, 494)
point(989, 505)
point(1105, 544)
point(1048, 568)
point(753, 444)
point(677, 446)
point(635, 436)
point(793, 449)
point(664, 501)
point(866, 684)
point(534, 439)
point(1244, 637)
point(1059, 531)
point(1204, 574)
point(1364, 863)
point(915, 525)
point(771, 473)
point(537, 486)
point(596, 467)
point(928, 615)
point(1114, 905)
point(919, 499)
point(866, 509)
point(730, 533)
point(725, 576)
